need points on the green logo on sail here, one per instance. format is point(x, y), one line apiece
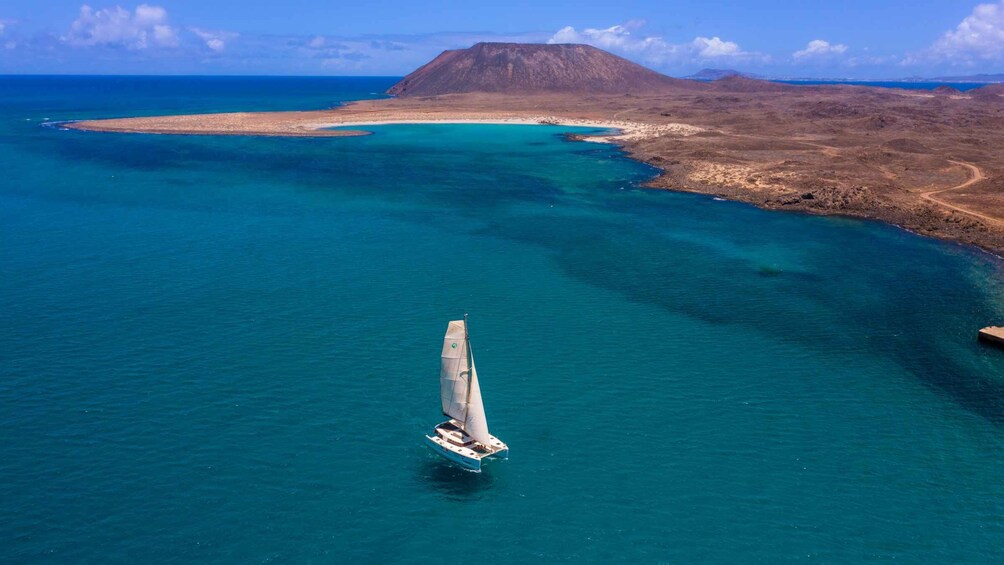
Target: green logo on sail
point(454, 346)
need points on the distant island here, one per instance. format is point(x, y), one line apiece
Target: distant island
point(929, 161)
point(988, 78)
point(715, 74)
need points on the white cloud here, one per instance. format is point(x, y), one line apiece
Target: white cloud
point(316, 43)
point(214, 40)
point(2, 26)
point(653, 50)
point(147, 15)
point(979, 36)
point(618, 38)
point(818, 48)
point(614, 37)
point(145, 26)
point(710, 48)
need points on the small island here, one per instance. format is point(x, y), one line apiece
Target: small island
point(926, 161)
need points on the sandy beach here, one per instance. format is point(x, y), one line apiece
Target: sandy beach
point(307, 124)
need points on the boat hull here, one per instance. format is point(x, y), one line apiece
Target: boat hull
point(450, 442)
point(469, 463)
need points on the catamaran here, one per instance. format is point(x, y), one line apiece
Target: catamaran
point(464, 438)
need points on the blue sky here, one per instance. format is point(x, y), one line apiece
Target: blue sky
point(853, 38)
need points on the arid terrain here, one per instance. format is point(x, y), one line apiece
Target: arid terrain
point(932, 162)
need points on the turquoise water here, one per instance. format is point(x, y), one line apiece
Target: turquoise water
point(226, 349)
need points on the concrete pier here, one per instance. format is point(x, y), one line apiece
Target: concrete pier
point(993, 334)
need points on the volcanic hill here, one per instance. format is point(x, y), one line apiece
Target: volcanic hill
point(523, 68)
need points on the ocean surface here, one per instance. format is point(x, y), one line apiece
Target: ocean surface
point(226, 349)
point(907, 85)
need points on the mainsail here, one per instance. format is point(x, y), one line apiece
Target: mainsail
point(454, 370)
point(476, 425)
point(458, 384)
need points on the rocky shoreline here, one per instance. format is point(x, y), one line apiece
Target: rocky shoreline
point(930, 221)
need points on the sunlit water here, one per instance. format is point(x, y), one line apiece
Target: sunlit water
point(906, 85)
point(226, 349)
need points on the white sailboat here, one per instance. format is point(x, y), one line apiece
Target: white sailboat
point(464, 438)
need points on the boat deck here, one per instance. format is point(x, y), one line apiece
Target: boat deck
point(993, 334)
point(451, 433)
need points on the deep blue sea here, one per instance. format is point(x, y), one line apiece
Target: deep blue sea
point(901, 84)
point(226, 349)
